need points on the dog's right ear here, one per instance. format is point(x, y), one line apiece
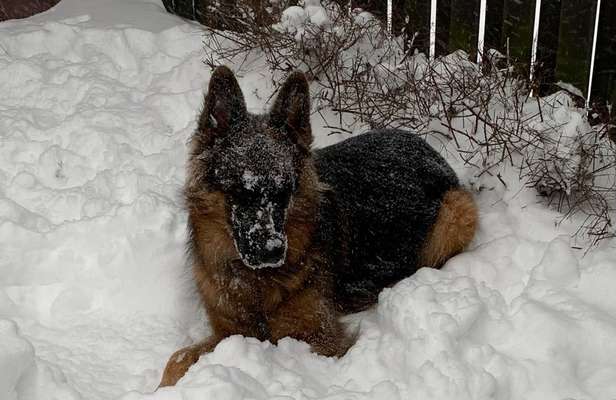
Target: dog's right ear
point(291, 110)
point(224, 105)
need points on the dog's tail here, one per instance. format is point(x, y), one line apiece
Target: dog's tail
point(453, 230)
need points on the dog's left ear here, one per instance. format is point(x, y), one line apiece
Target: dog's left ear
point(291, 110)
point(224, 106)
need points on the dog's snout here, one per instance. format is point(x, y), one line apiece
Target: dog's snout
point(267, 253)
point(259, 236)
point(270, 250)
point(273, 256)
point(274, 251)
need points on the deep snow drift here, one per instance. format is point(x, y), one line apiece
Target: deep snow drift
point(98, 100)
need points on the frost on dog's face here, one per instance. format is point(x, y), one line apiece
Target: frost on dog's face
point(255, 160)
point(257, 175)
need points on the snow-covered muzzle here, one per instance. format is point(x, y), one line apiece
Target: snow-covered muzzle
point(258, 174)
point(258, 231)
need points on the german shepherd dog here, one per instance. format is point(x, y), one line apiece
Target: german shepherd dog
point(283, 240)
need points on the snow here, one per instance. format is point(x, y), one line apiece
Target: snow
point(570, 88)
point(16, 355)
point(249, 179)
point(98, 100)
point(292, 19)
point(296, 18)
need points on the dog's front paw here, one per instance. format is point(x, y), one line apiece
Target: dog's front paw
point(178, 364)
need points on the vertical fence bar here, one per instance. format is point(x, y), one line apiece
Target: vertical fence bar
point(482, 30)
point(432, 52)
point(533, 51)
point(592, 56)
point(390, 13)
point(604, 77)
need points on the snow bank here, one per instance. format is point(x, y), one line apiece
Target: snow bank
point(22, 377)
point(93, 126)
point(498, 323)
point(296, 19)
point(16, 356)
point(98, 100)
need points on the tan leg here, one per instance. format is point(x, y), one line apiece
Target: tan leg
point(453, 230)
point(183, 359)
point(309, 317)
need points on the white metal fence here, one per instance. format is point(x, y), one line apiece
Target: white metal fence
point(482, 30)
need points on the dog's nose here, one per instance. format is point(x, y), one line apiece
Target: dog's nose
point(274, 256)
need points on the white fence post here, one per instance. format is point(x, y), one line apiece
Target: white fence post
point(533, 52)
point(482, 31)
point(592, 57)
point(390, 10)
point(432, 50)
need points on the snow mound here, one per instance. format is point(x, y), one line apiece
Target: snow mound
point(296, 19)
point(93, 125)
point(292, 19)
point(22, 376)
point(95, 294)
point(16, 356)
point(466, 332)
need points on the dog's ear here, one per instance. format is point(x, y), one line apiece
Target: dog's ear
point(291, 111)
point(224, 105)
